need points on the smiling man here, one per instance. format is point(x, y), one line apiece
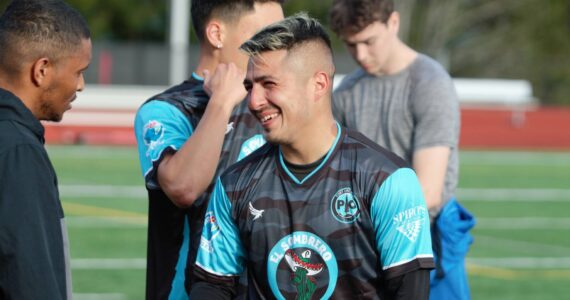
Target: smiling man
point(320, 211)
point(46, 46)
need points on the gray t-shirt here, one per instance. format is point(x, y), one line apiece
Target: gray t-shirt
point(405, 112)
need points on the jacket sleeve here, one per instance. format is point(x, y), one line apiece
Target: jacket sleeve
point(32, 257)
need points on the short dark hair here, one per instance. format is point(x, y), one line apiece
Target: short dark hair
point(228, 10)
point(352, 16)
point(30, 29)
point(287, 34)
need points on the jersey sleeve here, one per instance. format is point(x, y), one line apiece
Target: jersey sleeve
point(160, 128)
point(435, 109)
point(401, 224)
point(221, 253)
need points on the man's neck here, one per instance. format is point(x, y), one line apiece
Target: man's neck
point(402, 57)
point(206, 61)
point(314, 143)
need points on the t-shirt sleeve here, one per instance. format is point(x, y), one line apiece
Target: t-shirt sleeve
point(221, 254)
point(435, 109)
point(401, 224)
point(160, 128)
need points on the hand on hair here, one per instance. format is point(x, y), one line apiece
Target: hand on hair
point(226, 84)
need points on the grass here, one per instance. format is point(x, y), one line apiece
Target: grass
point(113, 229)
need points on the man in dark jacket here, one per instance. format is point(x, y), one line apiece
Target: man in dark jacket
point(46, 47)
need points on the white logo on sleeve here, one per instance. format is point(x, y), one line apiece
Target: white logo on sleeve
point(410, 222)
point(256, 213)
point(229, 127)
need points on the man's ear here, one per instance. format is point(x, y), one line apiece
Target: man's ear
point(215, 32)
point(41, 70)
point(322, 84)
point(394, 22)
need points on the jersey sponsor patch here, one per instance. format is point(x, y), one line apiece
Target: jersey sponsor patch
point(252, 144)
point(153, 135)
point(302, 266)
point(345, 206)
point(409, 222)
point(210, 231)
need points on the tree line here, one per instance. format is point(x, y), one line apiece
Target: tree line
point(519, 39)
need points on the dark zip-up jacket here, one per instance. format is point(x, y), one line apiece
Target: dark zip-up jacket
point(34, 252)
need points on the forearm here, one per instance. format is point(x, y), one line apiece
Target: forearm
point(410, 286)
point(430, 165)
point(185, 175)
point(210, 291)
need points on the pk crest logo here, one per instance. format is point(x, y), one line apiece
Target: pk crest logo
point(153, 134)
point(210, 232)
point(302, 266)
point(345, 206)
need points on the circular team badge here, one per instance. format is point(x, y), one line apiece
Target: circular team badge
point(302, 266)
point(345, 207)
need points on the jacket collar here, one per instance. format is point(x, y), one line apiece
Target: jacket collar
point(13, 109)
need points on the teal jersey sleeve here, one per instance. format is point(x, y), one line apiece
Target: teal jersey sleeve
point(401, 220)
point(221, 252)
point(159, 126)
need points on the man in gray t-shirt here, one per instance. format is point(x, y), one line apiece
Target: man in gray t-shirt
point(406, 102)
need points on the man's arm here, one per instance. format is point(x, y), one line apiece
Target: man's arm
point(32, 261)
point(430, 165)
point(185, 174)
point(402, 228)
point(410, 286)
point(221, 255)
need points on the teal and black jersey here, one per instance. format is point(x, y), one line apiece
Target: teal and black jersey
point(356, 221)
point(162, 125)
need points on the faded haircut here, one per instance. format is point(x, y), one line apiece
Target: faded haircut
point(228, 11)
point(287, 34)
point(352, 16)
point(31, 29)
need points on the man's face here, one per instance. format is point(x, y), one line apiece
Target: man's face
point(372, 46)
point(264, 14)
point(66, 79)
point(279, 95)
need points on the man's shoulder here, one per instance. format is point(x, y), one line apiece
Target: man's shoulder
point(189, 97)
point(13, 135)
point(252, 166)
point(371, 155)
point(350, 80)
point(427, 68)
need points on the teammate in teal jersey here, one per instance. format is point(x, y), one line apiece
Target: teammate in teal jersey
point(320, 212)
point(405, 101)
point(189, 133)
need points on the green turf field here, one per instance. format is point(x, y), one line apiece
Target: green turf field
point(521, 200)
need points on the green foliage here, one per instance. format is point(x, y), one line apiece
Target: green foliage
point(522, 39)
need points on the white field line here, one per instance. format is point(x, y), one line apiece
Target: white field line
point(523, 262)
point(471, 194)
point(517, 158)
point(108, 263)
point(530, 248)
point(523, 223)
point(105, 222)
point(103, 191)
point(523, 194)
point(503, 262)
point(106, 296)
